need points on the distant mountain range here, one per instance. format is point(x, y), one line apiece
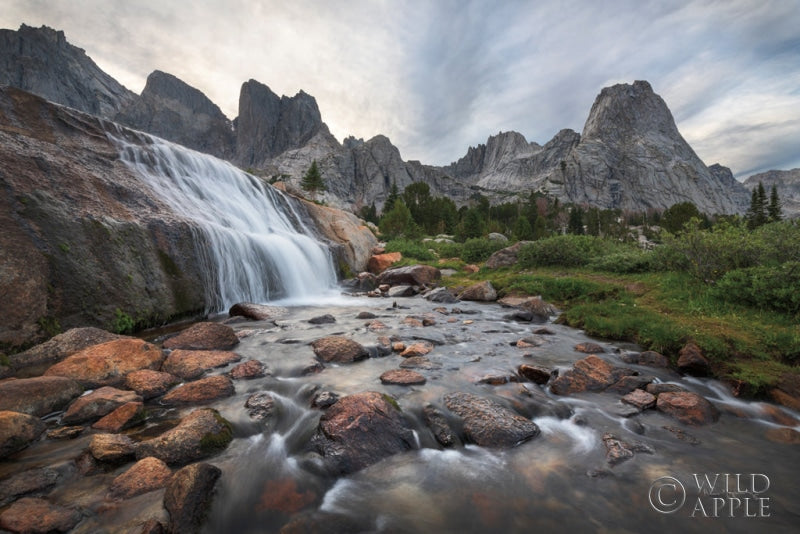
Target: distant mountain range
point(630, 154)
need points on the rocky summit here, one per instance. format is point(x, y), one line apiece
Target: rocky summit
point(630, 154)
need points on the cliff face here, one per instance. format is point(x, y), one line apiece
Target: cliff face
point(41, 61)
point(171, 109)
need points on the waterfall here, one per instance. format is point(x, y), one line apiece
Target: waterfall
point(254, 243)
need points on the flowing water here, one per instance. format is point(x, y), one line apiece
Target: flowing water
point(253, 240)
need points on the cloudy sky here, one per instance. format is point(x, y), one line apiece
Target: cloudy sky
point(437, 76)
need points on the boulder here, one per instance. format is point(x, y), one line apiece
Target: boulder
point(416, 349)
point(149, 383)
point(108, 364)
point(200, 391)
point(640, 399)
point(402, 291)
point(30, 483)
point(128, 415)
point(192, 364)
point(419, 362)
point(481, 291)
point(249, 310)
point(38, 396)
point(692, 362)
point(323, 319)
point(17, 431)
point(626, 384)
point(111, 448)
point(260, 405)
point(412, 275)
point(535, 373)
point(380, 262)
point(200, 434)
point(146, 475)
point(33, 515)
point(589, 374)
point(787, 391)
point(324, 399)
point(361, 429)
point(648, 357)
point(589, 348)
point(438, 425)
point(657, 389)
point(494, 236)
point(96, 404)
point(531, 309)
point(505, 257)
point(441, 295)
point(402, 377)
point(338, 349)
point(188, 497)
point(204, 336)
point(61, 346)
point(688, 408)
point(248, 369)
point(488, 423)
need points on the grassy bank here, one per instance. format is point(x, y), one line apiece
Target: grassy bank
point(661, 299)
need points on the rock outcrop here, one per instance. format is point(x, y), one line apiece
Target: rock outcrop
point(41, 61)
point(176, 111)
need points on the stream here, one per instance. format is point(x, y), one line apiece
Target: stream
point(559, 480)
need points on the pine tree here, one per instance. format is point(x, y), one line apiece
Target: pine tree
point(312, 180)
point(757, 212)
point(523, 230)
point(575, 224)
point(394, 194)
point(774, 208)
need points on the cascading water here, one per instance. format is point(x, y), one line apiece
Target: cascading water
point(252, 239)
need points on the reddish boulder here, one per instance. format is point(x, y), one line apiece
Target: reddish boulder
point(589, 348)
point(692, 362)
point(686, 407)
point(416, 349)
point(61, 346)
point(107, 364)
point(402, 377)
point(787, 391)
point(256, 312)
point(38, 396)
point(248, 369)
point(361, 429)
point(640, 399)
point(648, 357)
point(128, 415)
point(192, 364)
point(203, 390)
point(589, 374)
point(31, 515)
point(146, 475)
point(204, 336)
point(338, 349)
point(535, 373)
point(111, 447)
point(96, 404)
point(380, 262)
point(17, 431)
point(149, 383)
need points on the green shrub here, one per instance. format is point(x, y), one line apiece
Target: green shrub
point(631, 261)
point(562, 251)
point(479, 249)
point(410, 249)
point(560, 289)
point(767, 287)
point(448, 250)
point(123, 323)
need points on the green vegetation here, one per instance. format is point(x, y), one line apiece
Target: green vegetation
point(213, 442)
point(122, 323)
point(721, 282)
point(49, 325)
point(312, 180)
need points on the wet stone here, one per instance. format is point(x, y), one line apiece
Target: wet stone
point(626, 384)
point(204, 336)
point(65, 432)
point(260, 406)
point(437, 423)
point(33, 482)
point(248, 369)
point(402, 377)
point(32, 515)
point(323, 319)
point(640, 399)
point(419, 362)
point(324, 399)
point(589, 348)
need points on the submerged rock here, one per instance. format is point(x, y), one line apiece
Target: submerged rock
point(30, 483)
point(38, 396)
point(360, 430)
point(148, 474)
point(488, 423)
point(97, 404)
point(17, 431)
point(203, 390)
point(29, 515)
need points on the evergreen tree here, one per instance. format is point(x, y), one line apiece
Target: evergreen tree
point(678, 215)
point(774, 208)
point(593, 221)
point(757, 212)
point(312, 180)
point(539, 227)
point(394, 194)
point(523, 231)
point(575, 224)
point(398, 221)
point(369, 213)
point(472, 225)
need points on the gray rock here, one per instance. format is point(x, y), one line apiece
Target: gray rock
point(488, 423)
point(188, 497)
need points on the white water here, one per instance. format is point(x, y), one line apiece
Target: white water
point(255, 245)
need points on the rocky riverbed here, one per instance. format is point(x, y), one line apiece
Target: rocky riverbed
point(380, 415)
